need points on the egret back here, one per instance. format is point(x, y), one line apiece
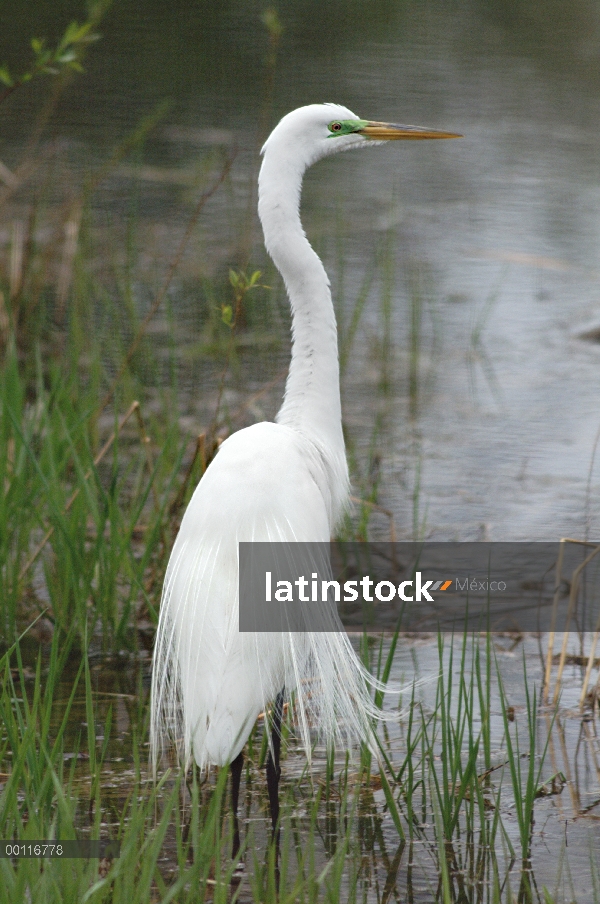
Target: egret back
point(211, 681)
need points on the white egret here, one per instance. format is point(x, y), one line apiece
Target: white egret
point(282, 481)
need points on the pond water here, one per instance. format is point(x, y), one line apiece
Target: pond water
point(484, 250)
point(471, 389)
point(566, 831)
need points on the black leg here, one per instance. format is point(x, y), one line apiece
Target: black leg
point(236, 777)
point(273, 768)
point(189, 783)
point(273, 774)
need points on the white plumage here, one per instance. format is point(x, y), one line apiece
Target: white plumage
point(286, 481)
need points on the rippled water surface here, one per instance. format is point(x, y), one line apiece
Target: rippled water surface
point(465, 273)
point(483, 252)
point(566, 832)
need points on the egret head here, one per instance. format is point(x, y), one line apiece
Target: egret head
point(318, 130)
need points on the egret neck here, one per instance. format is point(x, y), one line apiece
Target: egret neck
point(312, 394)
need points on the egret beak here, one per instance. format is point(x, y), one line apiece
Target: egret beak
point(390, 131)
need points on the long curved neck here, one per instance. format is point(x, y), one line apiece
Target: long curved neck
point(312, 394)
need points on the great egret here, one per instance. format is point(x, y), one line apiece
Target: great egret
point(282, 481)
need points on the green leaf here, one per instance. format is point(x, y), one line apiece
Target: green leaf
point(272, 22)
point(391, 803)
point(81, 33)
point(5, 77)
point(71, 33)
point(227, 314)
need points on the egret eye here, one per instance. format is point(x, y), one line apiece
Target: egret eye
point(335, 127)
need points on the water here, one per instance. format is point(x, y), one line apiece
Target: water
point(566, 830)
point(484, 250)
point(500, 229)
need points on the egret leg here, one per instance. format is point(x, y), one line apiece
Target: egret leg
point(273, 768)
point(236, 777)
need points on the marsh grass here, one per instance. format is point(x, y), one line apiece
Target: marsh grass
point(449, 816)
point(434, 821)
point(92, 571)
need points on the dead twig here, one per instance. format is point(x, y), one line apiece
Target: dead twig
point(570, 611)
point(65, 273)
point(199, 451)
point(590, 664)
point(145, 440)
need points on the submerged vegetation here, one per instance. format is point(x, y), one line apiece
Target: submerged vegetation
point(460, 810)
point(101, 444)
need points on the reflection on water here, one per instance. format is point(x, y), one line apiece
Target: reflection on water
point(483, 251)
point(470, 398)
point(566, 831)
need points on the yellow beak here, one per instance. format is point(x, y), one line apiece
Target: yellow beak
point(389, 131)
